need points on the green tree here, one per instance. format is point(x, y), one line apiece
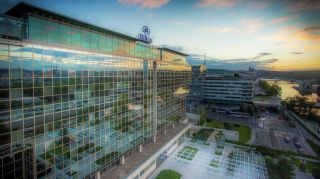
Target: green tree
point(271, 90)
point(285, 168)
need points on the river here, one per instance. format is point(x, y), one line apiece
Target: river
point(289, 91)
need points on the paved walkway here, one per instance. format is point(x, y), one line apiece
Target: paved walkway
point(302, 175)
point(136, 158)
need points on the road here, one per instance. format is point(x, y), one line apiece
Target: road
point(273, 133)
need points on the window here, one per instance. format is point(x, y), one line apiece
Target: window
point(37, 29)
point(94, 40)
point(65, 35)
point(85, 37)
point(53, 32)
point(76, 37)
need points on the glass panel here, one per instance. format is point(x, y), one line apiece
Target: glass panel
point(94, 40)
point(85, 38)
point(76, 37)
point(37, 29)
point(53, 34)
point(65, 35)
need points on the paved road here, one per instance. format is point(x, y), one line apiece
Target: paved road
point(274, 132)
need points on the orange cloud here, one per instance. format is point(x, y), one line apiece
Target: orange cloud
point(312, 48)
point(144, 3)
point(217, 3)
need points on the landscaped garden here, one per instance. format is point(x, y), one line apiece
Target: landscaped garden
point(168, 174)
point(244, 131)
point(195, 160)
point(187, 152)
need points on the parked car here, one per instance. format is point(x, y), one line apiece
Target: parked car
point(295, 139)
point(300, 150)
point(287, 139)
point(297, 145)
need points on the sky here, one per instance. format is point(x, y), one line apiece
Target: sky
point(231, 34)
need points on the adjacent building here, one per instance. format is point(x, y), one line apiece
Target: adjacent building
point(76, 97)
point(220, 90)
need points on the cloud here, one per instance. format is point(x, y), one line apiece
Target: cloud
point(252, 25)
point(217, 29)
point(312, 48)
point(181, 22)
point(262, 55)
point(297, 53)
point(144, 3)
point(312, 28)
point(266, 62)
point(258, 5)
point(294, 35)
point(282, 19)
point(231, 64)
point(300, 5)
point(217, 3)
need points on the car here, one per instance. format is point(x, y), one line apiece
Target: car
point(287, 139)
point(295, 139)
point(297, 145)
point(300, 150)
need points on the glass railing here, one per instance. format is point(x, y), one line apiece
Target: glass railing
point(10, 28)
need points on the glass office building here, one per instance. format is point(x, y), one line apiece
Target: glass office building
point(75, 97)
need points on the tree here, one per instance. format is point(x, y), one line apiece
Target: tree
point(271, 90)
point(275, 90)
point(285, 168)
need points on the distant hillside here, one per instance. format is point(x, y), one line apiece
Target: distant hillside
point(295, 75)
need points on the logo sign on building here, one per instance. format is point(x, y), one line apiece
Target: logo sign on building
point(144, 36)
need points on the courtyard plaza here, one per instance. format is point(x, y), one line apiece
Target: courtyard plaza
point(197, 160)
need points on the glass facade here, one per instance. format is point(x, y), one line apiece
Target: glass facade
point(52, 32)
point(73, 107)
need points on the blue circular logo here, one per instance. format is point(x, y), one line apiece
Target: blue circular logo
point(146, 30)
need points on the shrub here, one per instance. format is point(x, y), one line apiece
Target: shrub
point(169, 174)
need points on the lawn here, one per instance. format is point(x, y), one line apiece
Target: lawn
point(244, 131)
point(314, 146)
point(169, 174)
point(215, 124)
